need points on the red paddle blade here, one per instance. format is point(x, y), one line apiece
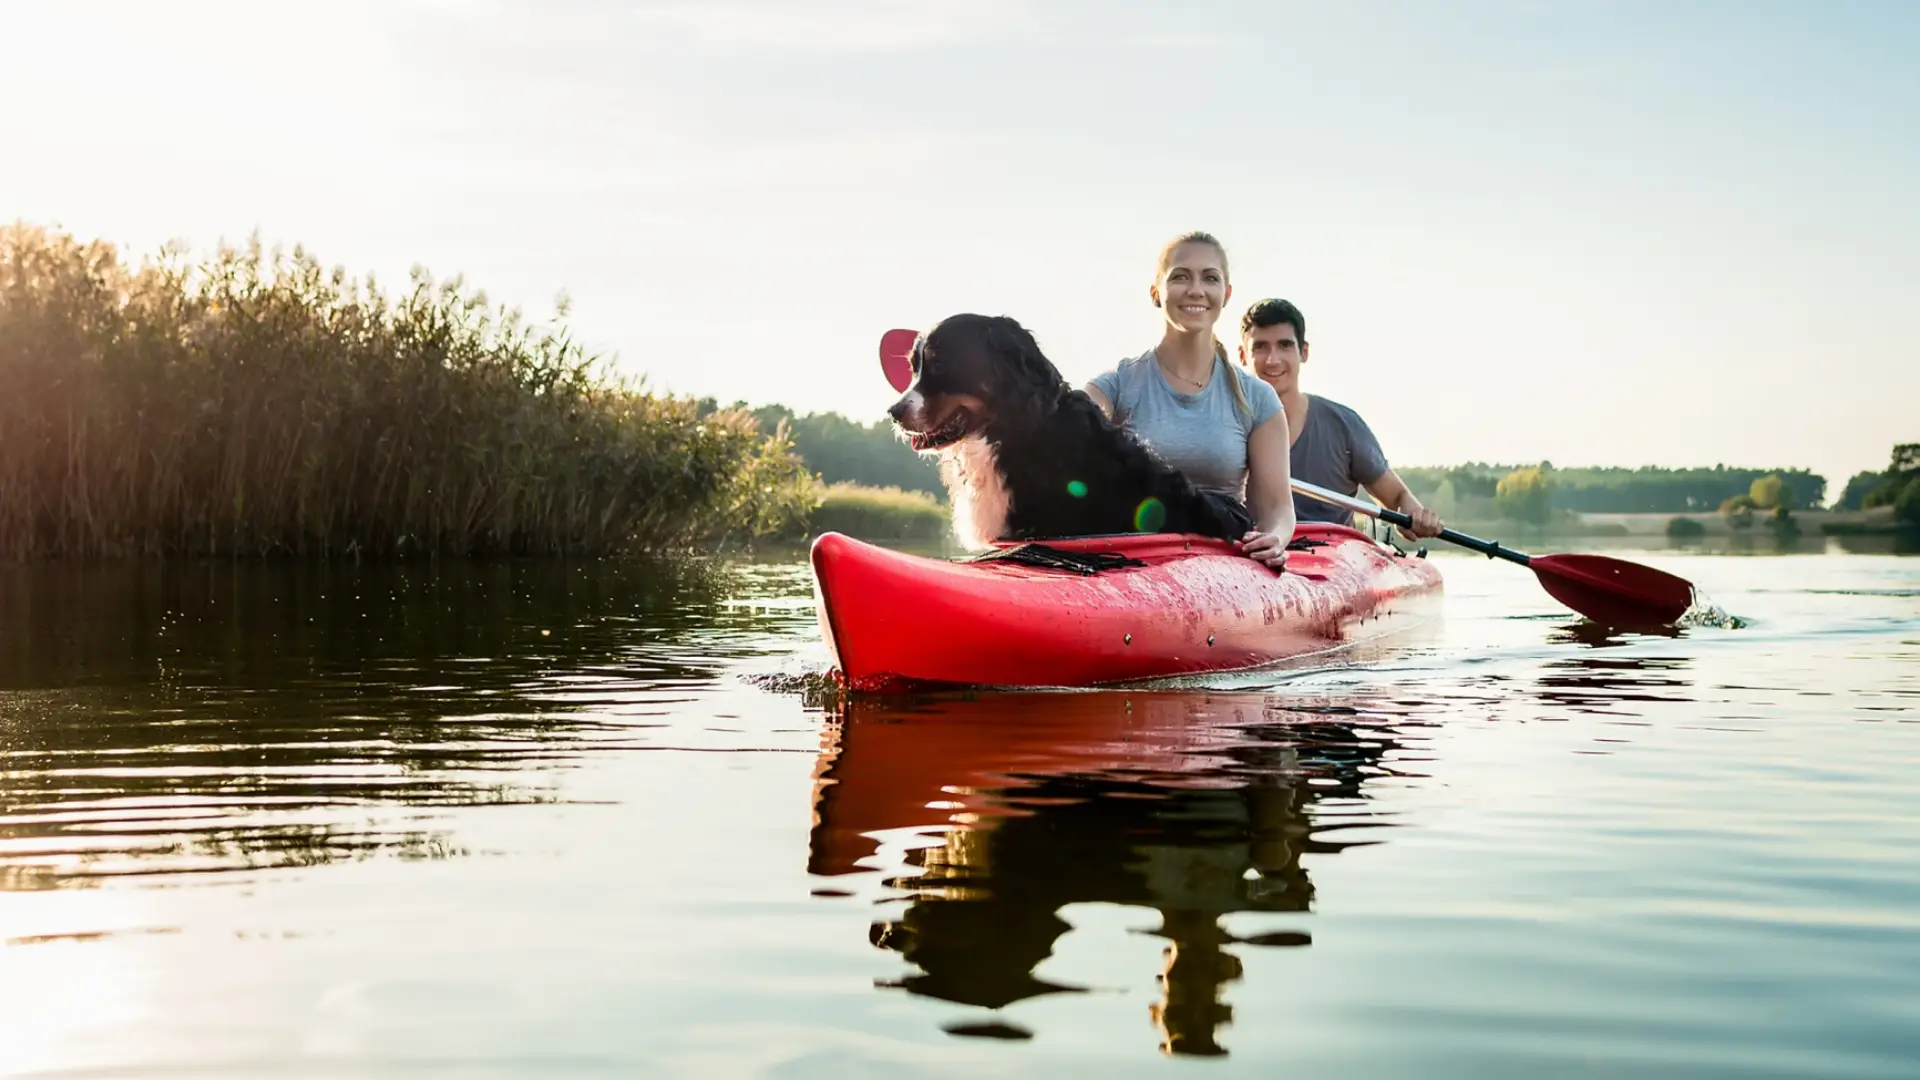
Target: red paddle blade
point(896, 353)
point(1612, 591)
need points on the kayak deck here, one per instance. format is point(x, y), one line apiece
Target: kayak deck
point(1099, 610)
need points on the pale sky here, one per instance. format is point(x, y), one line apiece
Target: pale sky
point(1596, 233)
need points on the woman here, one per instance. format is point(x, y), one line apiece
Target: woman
point(1215, 422)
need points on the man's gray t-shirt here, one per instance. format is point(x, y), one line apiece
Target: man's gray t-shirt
point(1204, 435)
point(1335, 450)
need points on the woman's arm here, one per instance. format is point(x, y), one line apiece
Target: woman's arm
point(1270, 491)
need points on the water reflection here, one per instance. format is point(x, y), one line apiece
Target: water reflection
point(1194, 805)
point(1603, 686)
point(167, 720)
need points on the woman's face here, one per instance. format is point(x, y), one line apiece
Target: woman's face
point(1193, 289)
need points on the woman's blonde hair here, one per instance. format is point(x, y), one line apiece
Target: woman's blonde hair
point(1219, 350)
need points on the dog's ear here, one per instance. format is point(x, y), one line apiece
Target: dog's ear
point(1009, 339)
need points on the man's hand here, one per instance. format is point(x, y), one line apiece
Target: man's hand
point(1425, 523)
point(1391, 492)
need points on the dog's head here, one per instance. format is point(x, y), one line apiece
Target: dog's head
point(968, 372)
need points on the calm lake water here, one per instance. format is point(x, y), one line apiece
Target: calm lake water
point(547, 820)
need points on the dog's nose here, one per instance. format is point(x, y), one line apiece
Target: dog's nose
point(899, 410)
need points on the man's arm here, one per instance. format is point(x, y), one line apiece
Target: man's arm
point(1386, 487)
point(1392, 492)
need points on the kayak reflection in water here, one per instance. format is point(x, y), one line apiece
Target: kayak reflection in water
point(1195, 805)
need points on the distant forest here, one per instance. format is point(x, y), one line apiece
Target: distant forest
point(841, 450)
point(1646, 490)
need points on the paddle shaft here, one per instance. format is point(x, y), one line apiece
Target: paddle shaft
point(1489, 548)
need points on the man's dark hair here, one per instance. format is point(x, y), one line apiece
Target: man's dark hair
point(1273, 312)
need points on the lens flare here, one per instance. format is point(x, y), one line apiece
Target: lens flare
point(1149, 516)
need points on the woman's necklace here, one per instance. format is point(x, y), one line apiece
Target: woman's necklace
point(1197, 384)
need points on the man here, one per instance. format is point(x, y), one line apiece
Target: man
point(1332, 447)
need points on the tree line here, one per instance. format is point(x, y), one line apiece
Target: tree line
point(1614, 490)
point(843, 451)
point(1898, 486)
point(1866, 490)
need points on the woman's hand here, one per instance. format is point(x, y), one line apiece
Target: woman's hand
point(1269, 493)
point(1267, 548)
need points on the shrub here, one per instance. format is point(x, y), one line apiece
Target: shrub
point(1769, 493)
point(1685, 528)
point(1525, 495)
point(256, 403)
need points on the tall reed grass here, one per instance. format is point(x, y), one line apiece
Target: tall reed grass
point(254, 403)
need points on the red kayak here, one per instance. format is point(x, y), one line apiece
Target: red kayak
point(1099, 610)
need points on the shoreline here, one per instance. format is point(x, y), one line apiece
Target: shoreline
point(1876, 522)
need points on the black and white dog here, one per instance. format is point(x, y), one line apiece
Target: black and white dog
point(1026, 456)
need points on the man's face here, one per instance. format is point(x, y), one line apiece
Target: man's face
point(1275, 354)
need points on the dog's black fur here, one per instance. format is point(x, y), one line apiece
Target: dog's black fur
point(984, 377)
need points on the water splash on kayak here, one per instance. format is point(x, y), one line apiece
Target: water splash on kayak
point(816, 685)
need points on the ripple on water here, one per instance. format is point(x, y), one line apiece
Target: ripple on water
point(272, 717)
point(433, 814)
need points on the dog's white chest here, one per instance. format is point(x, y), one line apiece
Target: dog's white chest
point(971, 470)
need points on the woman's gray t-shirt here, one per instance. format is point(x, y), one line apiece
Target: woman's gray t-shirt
point(1204, 435)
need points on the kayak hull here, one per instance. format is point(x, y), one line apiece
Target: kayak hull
point(1182, 605)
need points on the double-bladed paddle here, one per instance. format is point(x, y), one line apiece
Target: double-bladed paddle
point(1610, 591)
